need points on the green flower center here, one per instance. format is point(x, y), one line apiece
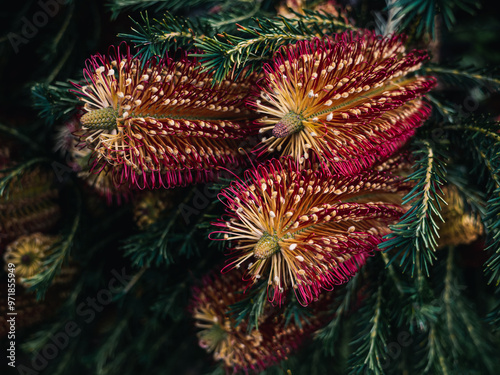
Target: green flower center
point(104, 118)
point(266, 246)
point(289, 124)
point(213, 336)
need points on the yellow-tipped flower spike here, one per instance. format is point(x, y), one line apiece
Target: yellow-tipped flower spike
point(347, 103)
point(162, 122)
point(305, 229)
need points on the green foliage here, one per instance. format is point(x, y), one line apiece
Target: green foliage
point(482, 136)
point(170, 302)
point(160, 243)
point(465, 77)
point(423, 12)
point(297, 313)
point(413, 239)
point(172, 236)
point(157, 37)
point(234, 13)
point(54, 102)
point(473, 198)
point(120, 6)
point(251, 308)
point(371, 342)
point(330, 333)
point(228, 55)
point(458, 323)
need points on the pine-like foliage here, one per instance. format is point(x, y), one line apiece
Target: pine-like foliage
point(414, 239)
point(424, 12)
point(228, 55)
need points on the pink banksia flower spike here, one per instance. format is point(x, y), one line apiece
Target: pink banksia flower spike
point(230, 341)
point(347, 103)
point(161, 122)
point(304, 229)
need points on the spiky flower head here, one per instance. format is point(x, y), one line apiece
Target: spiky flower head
point(231, 342)
point(29, 206)
point(461, 226)
point(27, 253)
point(347, 103)
point(161, 122)
point(306, 229)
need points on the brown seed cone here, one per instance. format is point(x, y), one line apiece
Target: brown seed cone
point(30, 206)
point(460, 227)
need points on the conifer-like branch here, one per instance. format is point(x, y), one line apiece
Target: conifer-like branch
point(156, 37)
point(229, 54)
point(413, 239)
point(54, 102)
point(457, 323)
point(465, 77)
point(424, 12)
point(372, 341)
point(329, 334)
point(482, 136)
point(162, 239)
point(251, 308)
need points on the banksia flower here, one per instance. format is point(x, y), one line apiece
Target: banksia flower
point(230, 342)
point(460, 226)
point(306, 230)
point(347, 103)
point(161, 122)
point(27, 253)
point(30, 205)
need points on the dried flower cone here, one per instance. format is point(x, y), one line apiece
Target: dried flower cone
point(28, 253)
point(460, 226)
point(29, 206)
point(306, 230)
point(348, 103)
point(161, 123)
point(230, 342)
